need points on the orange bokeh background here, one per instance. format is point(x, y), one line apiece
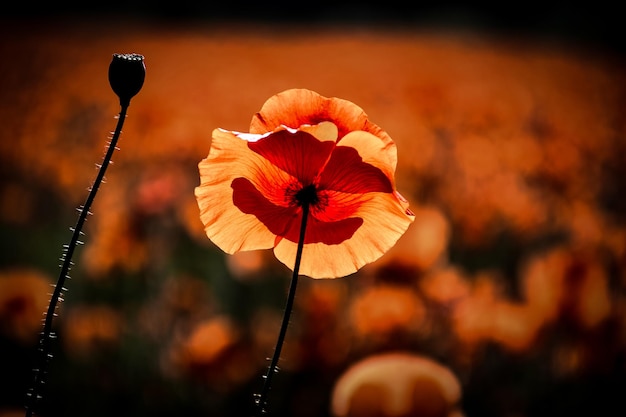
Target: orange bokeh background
point(511, 152)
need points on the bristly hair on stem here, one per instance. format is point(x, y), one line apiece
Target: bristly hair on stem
point(126, 77)
point(261, 399)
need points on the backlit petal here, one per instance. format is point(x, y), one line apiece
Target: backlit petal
point(323, 131)
point(227, 226)
point(332, 232)
point(248, 199)
point(297, 152)
point(297, 107)
point(346, 172)
point(384, 220)
point(373, 151)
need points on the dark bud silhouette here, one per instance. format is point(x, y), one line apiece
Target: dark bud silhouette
point(126, 76)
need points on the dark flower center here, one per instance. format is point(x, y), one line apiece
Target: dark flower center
point(307, 195)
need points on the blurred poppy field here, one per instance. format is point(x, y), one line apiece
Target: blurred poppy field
point(505, 297)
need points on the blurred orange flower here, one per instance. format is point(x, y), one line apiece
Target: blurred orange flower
point(381, 311)
point(397, 384)
point(446, 285)
point(215, 353)
point(304, 148)
point(24, 296)
point(485, 314)
point(209, 340)
point(89, 328)
point(424, 246)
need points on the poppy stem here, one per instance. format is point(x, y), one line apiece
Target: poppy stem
point(262, 397)
point(44, 352)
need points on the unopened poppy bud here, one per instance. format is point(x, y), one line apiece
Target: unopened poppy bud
point(126, 75)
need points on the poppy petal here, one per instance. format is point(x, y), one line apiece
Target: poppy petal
point(298, 152)
point(297, 107)
point(373, 151)
point(230, 158)
point(248, 199)
point(384, 221)
point(347, 172)
point(292, 108)
point(331, 232)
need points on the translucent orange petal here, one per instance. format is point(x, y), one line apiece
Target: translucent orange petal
point(297, 152)
point(227, 226)
point(323, 131)
point(297, 107)
point(346, 172)
point(373, 150)
point(384, 221)
point(292, 108)
point(248, 198)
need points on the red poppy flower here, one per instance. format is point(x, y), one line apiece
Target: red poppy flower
point(304, 149)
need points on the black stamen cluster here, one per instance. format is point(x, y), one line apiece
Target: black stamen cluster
point(307, 195)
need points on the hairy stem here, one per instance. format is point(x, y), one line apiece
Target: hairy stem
point(44, 351)
point(262, 398)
